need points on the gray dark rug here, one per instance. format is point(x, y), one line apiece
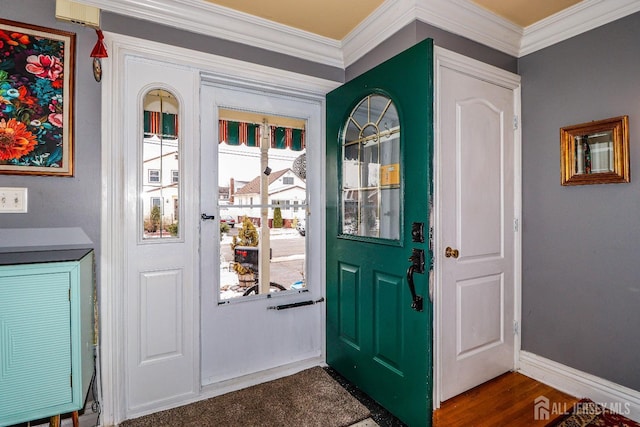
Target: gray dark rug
point(309, 398)
point(587, 413)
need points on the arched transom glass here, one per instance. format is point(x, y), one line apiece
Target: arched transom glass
point(371, 194)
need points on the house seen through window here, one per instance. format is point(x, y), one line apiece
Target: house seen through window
point(160, 167)
point(261, 175)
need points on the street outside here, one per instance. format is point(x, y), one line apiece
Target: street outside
point(287, 262)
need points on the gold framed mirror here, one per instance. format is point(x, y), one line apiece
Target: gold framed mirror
point(595, 153)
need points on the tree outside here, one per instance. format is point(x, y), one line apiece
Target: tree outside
point(277, 218)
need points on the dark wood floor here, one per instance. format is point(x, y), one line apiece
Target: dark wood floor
point(504, 401)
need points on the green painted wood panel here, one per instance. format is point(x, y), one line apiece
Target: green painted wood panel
point(374, 338)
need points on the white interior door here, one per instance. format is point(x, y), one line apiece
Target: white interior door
point(477, 245)
point(160, 236)
point(243, 337)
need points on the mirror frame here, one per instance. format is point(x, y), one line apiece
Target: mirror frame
point(619, 127)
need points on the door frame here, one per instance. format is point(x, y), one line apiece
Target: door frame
point(112, 257)
point(444, 58)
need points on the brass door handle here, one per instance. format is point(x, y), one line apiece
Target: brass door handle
point(451, 253)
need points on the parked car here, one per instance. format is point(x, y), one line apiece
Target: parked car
point(228, 219)
point(301, 227)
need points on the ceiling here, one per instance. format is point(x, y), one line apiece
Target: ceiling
point(525, 12)
point(336, 18)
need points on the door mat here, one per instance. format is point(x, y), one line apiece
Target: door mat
point(309, 398)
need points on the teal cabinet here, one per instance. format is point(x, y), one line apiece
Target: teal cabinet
point(46, 333)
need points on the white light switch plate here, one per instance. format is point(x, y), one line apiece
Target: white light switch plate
point(13, 200)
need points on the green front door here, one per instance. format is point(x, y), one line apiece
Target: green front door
point(379, 169)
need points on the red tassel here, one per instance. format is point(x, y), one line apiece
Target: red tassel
point(99, 50)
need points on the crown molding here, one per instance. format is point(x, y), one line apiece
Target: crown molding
point(469, 20)
point(456, 16)
point(389, 18)
point(216, 21)
point(578, 19)
point(459, 17)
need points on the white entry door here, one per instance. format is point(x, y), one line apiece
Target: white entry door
point(250, 142)
point(160, 236)
point(477, 245)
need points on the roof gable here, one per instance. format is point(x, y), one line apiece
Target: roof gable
point(253, 186)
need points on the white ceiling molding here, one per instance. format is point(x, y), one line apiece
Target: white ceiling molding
point(216, 21)
point(385, 21)
point(461, 17)
point(578, 19)
point(469, 20)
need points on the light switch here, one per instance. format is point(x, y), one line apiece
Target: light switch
point(13, 200)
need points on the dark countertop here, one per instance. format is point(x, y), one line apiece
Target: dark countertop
point(35, 257)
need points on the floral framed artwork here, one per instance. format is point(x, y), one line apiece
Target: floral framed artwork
point(36, 100)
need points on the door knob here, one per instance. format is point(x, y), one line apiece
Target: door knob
point(451, 253)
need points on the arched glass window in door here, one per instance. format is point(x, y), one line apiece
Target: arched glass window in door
point(160, 181)
point(371, 175)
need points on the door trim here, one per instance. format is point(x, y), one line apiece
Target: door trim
point(110, 351)
point(444, 58)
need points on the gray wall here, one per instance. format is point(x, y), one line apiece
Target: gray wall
point(581, 245)
point(177, 37)
point(56, 201)
point(581, 290)
point(418, 31)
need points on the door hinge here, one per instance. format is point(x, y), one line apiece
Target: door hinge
point(516, 225)
point(515, 122)
point(516, 327)
point(71, 380)
point(69, 294)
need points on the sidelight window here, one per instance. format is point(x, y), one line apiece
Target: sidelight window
point(160, 166)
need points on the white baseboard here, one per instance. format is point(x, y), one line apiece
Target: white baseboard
point(581, 384)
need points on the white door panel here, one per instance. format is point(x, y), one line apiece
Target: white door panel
point(479, 167)
point(476, 193)
point(479, 333)
point(160, 315)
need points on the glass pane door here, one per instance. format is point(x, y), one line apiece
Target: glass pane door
point(262, 203)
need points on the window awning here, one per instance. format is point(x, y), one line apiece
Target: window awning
point(236, 133)
point(160, 124)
